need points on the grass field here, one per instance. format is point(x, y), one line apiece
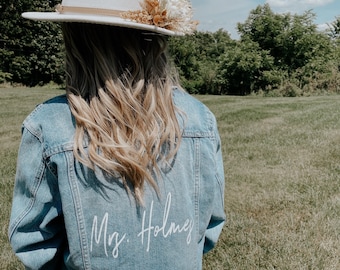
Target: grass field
point(282, 167)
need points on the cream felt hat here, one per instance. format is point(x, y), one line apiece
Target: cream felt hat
point(168, 17)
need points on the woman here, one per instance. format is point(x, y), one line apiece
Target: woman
point(125, 170)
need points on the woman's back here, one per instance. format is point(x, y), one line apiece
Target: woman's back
point(125, 170)
point(105, 227)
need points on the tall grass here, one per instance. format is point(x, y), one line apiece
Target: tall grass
point(282, 167)
point(15, 105)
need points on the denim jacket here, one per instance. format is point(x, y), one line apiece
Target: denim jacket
point(66, 216)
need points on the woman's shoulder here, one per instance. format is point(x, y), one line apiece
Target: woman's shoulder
point(50, 111)
point(195, 116)
point(183, 98)
point(51, 119)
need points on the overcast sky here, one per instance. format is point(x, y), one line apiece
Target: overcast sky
point(216, 14)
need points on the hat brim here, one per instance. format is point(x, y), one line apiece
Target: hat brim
point(96, 19)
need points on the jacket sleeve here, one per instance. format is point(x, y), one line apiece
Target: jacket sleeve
point(217, 218)
point(36, 229)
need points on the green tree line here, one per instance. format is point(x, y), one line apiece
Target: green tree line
point(276, 54)
point(30, 52)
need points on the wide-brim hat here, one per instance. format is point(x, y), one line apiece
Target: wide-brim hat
point(168, 17)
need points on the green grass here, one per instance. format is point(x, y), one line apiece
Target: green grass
point(282, 167)
point(15, 105)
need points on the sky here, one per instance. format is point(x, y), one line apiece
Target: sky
point(216, 14)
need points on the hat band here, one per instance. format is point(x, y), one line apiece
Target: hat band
point(84, 10)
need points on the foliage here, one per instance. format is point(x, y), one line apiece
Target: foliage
point(196, 58)
point(277, 54)
point(334, 29)
point(30, 51)
point(245, 69)
point(298, 49)
point(334, 34)
point(5, 77)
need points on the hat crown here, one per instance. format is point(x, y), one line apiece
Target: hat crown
point(123, 5)
point(169, 17)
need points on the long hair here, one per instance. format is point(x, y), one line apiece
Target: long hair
point(119, 87)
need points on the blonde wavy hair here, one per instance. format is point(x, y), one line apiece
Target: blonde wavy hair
point(119, 86)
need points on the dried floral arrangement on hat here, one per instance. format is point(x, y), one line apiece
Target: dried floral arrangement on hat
point(174, 15)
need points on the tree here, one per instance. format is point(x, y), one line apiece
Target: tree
point(292, 40)
point(245, 69)
point(30, 51)
point(184, 54)
point(265, 27)
point(197, 57)
point(284, 36)
point(334, 29)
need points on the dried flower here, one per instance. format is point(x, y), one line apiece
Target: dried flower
point(174, 15)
